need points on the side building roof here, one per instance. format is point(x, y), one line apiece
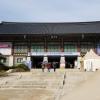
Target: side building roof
point(49, 28)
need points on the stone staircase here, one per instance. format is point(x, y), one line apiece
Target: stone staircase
point(33, 80)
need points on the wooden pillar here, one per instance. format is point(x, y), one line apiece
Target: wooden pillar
point(62, 45)
point(78, 47)
point(45, 44)
point(95, 46)
point(12, 49)
point(13, 53)
point(29, 47)
point(28, 43)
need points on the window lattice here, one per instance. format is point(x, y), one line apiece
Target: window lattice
point(70, 47)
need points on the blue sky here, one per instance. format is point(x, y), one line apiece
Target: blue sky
point(49, 10)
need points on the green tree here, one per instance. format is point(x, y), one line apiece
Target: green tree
point(2, 65)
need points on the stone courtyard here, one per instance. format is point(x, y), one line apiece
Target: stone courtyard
point(38, 85)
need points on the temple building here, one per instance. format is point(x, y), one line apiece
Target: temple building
point(37, 42)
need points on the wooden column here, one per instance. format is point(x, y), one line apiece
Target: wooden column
point(45, 44)
point(78, 47)
point(95, 46)
point(62, 45)
point(12, 49)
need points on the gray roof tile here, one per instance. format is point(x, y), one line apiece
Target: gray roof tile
point(49, 28)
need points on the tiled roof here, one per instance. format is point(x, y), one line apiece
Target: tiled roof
point(49, 28)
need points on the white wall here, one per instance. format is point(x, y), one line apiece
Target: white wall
point(10, 61)
point(5, 51)
point(5, 48)
point(21, 59)
point(28, 59)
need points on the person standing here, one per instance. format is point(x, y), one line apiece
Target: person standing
point(48, 66)
point(43, 67)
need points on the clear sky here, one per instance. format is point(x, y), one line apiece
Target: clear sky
point(49, 10)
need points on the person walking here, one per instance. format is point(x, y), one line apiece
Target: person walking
point(54, 66)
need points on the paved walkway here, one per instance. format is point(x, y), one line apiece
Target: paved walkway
point(88, 90)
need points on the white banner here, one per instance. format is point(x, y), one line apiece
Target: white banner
point(55, 53)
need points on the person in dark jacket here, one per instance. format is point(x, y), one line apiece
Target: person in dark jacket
point(54, 66)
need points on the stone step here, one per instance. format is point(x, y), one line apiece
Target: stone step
point(24, 86)
point(32, 84)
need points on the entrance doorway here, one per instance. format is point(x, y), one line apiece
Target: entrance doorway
point(36, 61)
point(56, 59)
point(70, 61)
